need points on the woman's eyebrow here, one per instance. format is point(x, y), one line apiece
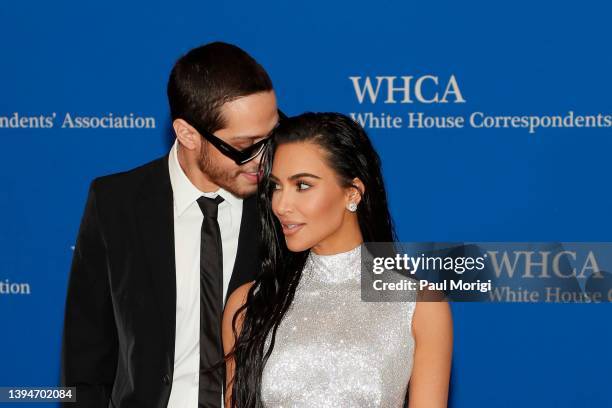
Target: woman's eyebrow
point(301, 175)
point(295, 176)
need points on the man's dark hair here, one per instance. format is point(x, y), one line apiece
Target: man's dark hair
point(206, 77)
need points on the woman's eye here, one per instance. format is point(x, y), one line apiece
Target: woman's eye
point(303, 186)
point(275, 186)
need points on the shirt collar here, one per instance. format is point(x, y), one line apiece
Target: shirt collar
point(185, 193)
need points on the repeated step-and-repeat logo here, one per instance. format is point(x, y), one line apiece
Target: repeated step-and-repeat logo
point(70, 120)
point(8, 287)
point(381, 96)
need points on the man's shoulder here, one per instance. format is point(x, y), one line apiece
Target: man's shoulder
point(128, 182)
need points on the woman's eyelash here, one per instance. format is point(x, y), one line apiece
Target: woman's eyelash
point(298, 184)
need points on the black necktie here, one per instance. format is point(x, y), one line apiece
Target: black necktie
point(211, 306)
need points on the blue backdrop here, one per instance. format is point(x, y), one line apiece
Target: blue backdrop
point(522, 58)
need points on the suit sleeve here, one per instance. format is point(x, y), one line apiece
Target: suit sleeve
point(89, 349)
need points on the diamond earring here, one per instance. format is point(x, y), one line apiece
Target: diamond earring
point(352, 207)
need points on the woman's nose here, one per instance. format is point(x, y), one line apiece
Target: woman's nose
point(284, 203)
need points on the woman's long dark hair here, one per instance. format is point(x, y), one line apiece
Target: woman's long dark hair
point(350, 154)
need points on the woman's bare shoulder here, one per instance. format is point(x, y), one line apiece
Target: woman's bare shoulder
point(238, 297)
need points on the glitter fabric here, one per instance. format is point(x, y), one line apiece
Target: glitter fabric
point(332, 349)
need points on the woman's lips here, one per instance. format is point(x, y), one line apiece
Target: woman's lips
point(291, 228)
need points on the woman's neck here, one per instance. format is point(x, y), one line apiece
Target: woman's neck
point(346, 238)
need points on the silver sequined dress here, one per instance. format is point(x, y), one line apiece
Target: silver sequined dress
point(332, 349)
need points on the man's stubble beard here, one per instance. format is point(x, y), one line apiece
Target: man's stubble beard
point(228, 180)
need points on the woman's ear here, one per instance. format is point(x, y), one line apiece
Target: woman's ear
point(356, 192)
point(186, 134)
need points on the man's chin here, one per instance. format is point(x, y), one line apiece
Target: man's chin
point(242, 190)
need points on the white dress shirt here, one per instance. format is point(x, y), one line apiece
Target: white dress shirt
point(188, 219)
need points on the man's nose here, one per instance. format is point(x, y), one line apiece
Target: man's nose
point(255, 162)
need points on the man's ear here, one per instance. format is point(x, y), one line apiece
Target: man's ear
point(186, 134)
point(356, 193)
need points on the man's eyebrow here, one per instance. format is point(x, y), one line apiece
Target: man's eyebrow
point(246, 137)
point(240, 138)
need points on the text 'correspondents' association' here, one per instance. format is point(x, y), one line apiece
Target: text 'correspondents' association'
point(73, 121)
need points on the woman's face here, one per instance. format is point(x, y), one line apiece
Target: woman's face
point(309, 201)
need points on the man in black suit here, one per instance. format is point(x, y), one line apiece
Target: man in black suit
point(162, 246)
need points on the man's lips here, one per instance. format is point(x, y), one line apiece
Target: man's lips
point(253, 177)
point(290, 228)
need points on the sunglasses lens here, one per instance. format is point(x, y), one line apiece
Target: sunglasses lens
point(252, 153)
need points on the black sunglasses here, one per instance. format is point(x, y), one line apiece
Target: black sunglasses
point(239, 156)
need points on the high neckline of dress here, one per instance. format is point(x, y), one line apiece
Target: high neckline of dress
point(335, 268)
point(349, 253)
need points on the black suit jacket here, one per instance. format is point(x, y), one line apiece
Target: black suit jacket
point(119, 329)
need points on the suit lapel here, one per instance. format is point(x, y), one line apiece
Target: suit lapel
point(155, 216)
point(247, 264)
point(156, 225)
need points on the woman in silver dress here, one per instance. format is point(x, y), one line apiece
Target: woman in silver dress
point(300, 335)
